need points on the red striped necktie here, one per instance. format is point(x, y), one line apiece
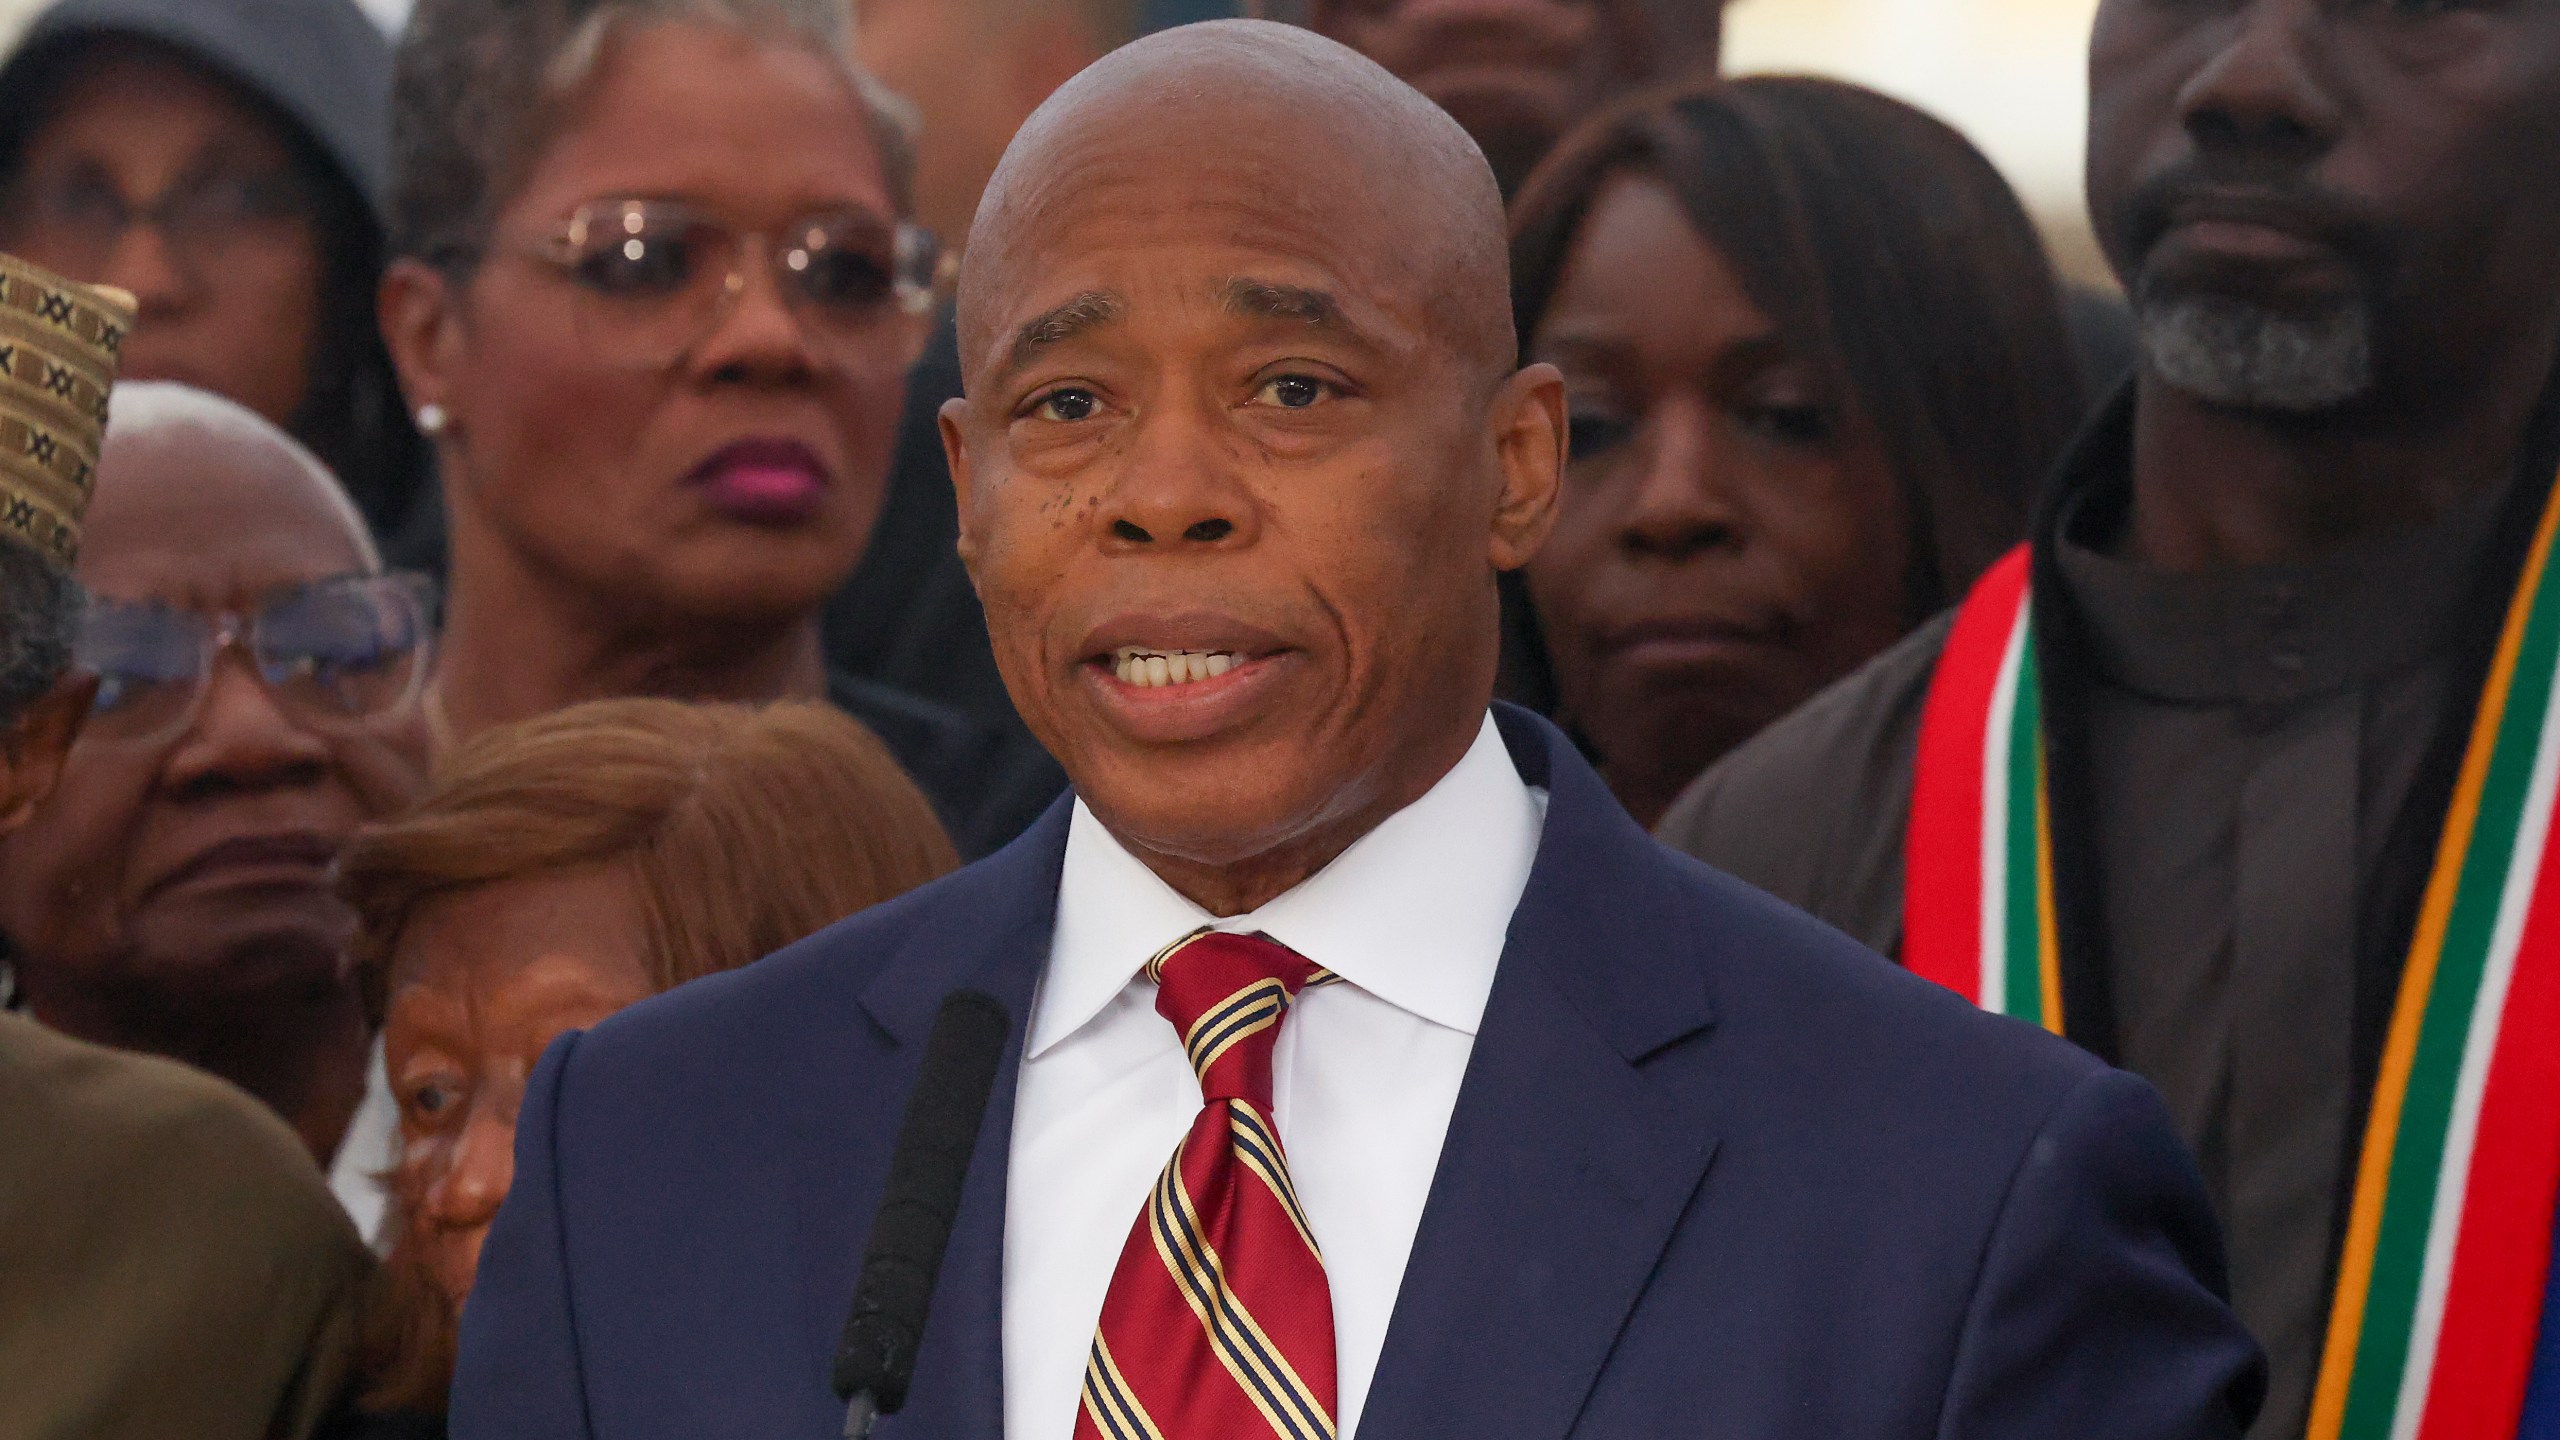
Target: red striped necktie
point(1218, 1324)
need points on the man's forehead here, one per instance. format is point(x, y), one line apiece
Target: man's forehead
point(1240, 151)
point(1245, 297)
point(1216, 213)
point(1248, 292)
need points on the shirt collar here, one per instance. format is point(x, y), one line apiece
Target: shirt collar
point(2276, 633)
point(1415, 912)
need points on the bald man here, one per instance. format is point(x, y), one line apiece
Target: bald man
point(1369, 1071)
point(174, 895)
point(170, 1263)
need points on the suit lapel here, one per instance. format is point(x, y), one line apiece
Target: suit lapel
point(1576, 1145)
point(1577, 1142)
point(992, 933)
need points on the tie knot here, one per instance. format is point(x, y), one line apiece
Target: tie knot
point(1226, 995)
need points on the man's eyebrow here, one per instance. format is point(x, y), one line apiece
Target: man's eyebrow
point(1061, 323)
point(1262, 299)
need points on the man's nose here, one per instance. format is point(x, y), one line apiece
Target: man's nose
point(242, 739)
point(1178, 491)
point(2265, 92)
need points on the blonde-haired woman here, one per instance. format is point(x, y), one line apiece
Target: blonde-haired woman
point(562, 868)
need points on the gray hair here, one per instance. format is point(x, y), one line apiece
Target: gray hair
point(477, 87)
point(40, 608)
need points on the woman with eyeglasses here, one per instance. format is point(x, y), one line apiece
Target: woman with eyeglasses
point(258, 681)
point(221, 160)
point(657, 294)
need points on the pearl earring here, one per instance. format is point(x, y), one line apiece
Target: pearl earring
point(430, 420)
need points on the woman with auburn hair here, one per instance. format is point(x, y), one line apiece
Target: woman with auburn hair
point(561, 868)
point(1817, 365)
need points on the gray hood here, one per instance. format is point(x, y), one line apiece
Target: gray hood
point(320, 62)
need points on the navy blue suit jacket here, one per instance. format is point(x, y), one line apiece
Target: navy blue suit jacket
point(1714, 1170)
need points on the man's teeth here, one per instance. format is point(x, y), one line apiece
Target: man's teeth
point(1169, 667)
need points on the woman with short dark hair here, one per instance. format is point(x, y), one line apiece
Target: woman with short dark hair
point(658, 287)
point(1816, 362)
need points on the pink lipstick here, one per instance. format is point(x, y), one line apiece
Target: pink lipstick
point(763, 482)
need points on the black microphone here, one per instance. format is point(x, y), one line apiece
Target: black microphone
point(878, 1354)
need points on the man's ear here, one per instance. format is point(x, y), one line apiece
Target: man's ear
point(418, 309)
point(1529, 436)
point(32, 751)
point(954, 418)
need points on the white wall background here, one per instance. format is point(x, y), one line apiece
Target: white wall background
point(14, 15)
point(2011, 74)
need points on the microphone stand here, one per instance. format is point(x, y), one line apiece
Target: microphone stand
point(877, 1356)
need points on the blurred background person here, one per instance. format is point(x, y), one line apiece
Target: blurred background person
point(172, 1263)
point(2269, 698)
point(658, 288)
point(222, 160)
point(258, 680)
point(1519, 73)
point(974, 70)
point(1817, 366)
point(562, 868)
point(2012, 75)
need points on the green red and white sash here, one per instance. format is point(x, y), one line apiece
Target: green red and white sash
point(2448, 1249)
point(1978, 906)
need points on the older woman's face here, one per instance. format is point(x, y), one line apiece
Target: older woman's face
point(149, 175)
point(482, 980)
point(729, 473)
point(194, 865)
point(1730, 538)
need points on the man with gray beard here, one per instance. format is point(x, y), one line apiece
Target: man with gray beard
point(2240, 772)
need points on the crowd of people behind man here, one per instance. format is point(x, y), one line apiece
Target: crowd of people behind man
point(523, 575)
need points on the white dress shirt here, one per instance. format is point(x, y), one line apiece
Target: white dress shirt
point(1365, 1074)
point(370, 1148)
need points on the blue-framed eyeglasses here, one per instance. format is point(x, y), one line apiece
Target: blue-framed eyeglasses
point(335, 654)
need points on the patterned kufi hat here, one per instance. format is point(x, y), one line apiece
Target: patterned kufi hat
point(58, 352)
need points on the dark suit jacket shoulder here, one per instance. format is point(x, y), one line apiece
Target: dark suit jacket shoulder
point(1714, 1169)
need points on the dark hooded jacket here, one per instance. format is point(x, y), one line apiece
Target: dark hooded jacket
point(322, 72)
